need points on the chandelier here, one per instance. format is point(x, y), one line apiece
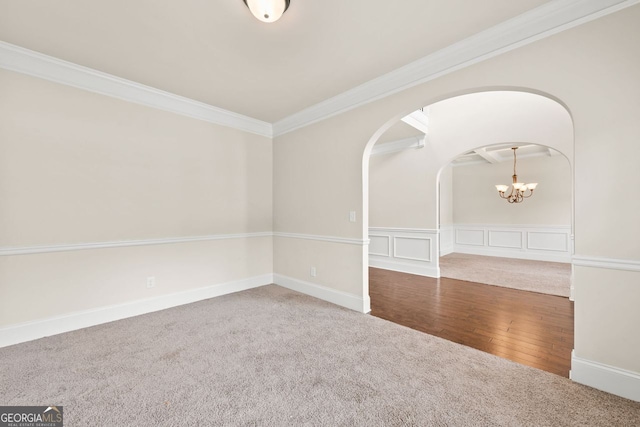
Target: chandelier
point(518, 190)
point(267, 10)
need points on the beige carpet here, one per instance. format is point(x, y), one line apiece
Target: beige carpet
point(552, 278)
point(273, 357)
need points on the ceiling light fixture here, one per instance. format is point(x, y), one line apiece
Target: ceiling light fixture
point(518, 189)
point(267, 10)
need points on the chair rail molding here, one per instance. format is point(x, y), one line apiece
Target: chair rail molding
point(332, 239)
point(27, 250)
point(608, 263)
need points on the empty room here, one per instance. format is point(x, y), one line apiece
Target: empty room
point(200, 202)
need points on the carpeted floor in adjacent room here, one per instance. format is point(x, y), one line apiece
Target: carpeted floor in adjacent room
point(273, 357)
point(553, 278)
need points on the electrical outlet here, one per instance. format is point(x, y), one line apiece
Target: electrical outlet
point(352, 216)
point(313, 272)
point(151, 282)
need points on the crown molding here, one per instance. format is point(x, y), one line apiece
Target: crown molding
point(544, 21)
point(25, 61)
point(541, 22)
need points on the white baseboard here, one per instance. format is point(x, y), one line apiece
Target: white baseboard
point(446, 250)
point(606, 378)
point(402, 267)
point(353, 302)
point(23, 332)
point(447, 233)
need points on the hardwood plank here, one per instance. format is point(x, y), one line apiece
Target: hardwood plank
point(525, 327)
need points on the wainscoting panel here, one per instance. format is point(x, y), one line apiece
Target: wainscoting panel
point(413, 248)
point(505, 239)
point(547, 241)
point(543, 243)
point(404, 249)
point(379, 245)
point(468, 237)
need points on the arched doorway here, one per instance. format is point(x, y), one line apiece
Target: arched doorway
point(456, 125)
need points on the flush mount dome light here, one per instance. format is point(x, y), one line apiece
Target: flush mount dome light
point(267, 10)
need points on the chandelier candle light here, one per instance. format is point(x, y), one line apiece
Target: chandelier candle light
point(267, 10)
point(518, 189)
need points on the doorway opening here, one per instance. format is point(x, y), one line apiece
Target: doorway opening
point(411, 225)
point(524, 243)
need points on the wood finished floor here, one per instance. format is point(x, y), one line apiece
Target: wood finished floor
point(527, 327)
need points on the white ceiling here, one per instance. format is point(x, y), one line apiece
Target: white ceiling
point(495, 121)
point(214, 51)
point(503, 153)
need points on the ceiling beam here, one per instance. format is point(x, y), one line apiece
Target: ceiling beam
point(419, 120)
point(489, 157)
point(399, 145)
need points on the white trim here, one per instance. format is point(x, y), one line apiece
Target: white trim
point(610, 263)
point(457, 241)
point(548, 19)
point(405, 230)
point(388, 254)
point(418, 120)
point(21, 60)
point(407, 264)
point(395, 248)
point(332, 239)
point(26, 250)
point(446, 235)
point(344, 299)
point(392, 265)
point(399, 145)
point(19, 333)
point(513, 226)
point(491, 244)
point(552, 251)
point(538, 248)
point(605, 377)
